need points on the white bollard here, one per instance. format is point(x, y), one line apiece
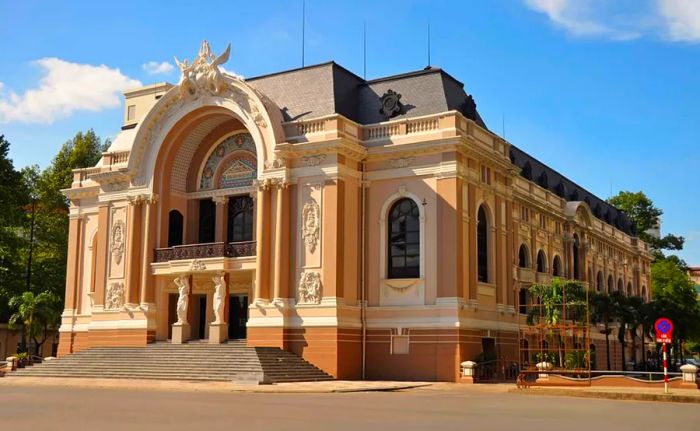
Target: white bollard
point(468, 368)
point(690, 372)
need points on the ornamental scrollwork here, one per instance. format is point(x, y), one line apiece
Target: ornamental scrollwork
point(114, 298)
point(310, 288)
point(117, 246)
point(311, 214)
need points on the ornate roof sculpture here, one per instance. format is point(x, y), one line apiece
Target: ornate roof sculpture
point(203, 74)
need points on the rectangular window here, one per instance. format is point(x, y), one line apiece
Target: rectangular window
point(485, 174)
point(207, 221)
point(524, 214)
point(131, 113)
point(543, 221)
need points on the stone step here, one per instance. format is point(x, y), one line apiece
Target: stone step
point(193, 361)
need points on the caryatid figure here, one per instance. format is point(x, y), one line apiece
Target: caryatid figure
point(183, 288)
point(219, 293)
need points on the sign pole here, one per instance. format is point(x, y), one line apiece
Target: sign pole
point(665, 370)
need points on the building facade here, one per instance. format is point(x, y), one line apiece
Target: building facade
point(376, 228)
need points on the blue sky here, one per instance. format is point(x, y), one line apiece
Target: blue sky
point(604, 91)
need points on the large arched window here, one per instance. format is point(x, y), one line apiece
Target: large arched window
point(620, 286)
point(240, 219)
point(482, 245)
point(600, 284)
point(175, 225)
point(611, 284)
point(629, 289)
point(523, 257)
point(541, 261)
point(556, 267)
point(404, 240)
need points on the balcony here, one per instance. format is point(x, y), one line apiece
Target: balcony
point(204, 251)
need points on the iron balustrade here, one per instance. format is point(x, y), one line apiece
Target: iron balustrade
point(203, 251)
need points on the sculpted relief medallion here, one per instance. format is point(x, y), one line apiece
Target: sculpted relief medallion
point(310, 288)
point(311, 214)
point(117, 246)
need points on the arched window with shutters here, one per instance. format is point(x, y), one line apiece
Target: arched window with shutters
point(523, 256)
point(482, 245)
point(541, 261)
point(240, 219)
point(403, 240)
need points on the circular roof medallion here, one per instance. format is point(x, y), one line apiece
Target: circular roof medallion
point(391, 104)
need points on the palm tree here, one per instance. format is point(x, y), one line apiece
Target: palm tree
point(36, 313)
point(560, 300)
point(603, 312)
point(637, 310)
point(623, 315)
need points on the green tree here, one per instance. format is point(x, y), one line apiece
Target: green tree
point(37, 314)
point(12, 216)
point(645, 216)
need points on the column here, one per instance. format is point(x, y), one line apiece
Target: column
point(510, 250)
point(221, 218)
point(75, 228)
point(101, 254)
point(474, 221)
point(134, 247)
point(333, 228)
point(500, 275)
point(449, 215)
point(149, 241)
point(281, 283)
point(262, 249)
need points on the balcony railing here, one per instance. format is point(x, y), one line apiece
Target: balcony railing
point(203, 251)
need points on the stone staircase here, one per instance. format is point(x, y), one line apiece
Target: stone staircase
point(195, 361)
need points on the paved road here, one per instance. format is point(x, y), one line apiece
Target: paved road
point(57, 408)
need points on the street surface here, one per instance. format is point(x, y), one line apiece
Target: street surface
point(79, 408)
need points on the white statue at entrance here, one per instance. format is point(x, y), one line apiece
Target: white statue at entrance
point(219, 294)
point(183, 288)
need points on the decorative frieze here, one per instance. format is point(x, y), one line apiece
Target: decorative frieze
point(313, 160)
point(401, 162)
point(197, 265)
point(309, 290)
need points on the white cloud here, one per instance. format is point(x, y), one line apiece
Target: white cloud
point(682, 19)
point(155, 68)
point(65, 88)
point(584, 18)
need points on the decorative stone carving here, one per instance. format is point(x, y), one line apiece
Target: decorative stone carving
point(310, 288)
point(275, 163)
point(197, 265)
point(219, 294)
point(114, 298)
point(311, 214)
point(391, 104)
point(313, 160)
point(401, 162)
point(203, 75)
point(117, 246)
point(183, 288)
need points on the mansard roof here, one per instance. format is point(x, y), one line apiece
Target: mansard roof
point(536, 171)
point(328, 88)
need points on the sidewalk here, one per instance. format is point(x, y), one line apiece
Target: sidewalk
point(615, 393)
point(335, 386)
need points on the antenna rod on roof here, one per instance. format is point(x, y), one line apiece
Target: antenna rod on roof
point(303, 30)
point(428, 44)
point(364, 50)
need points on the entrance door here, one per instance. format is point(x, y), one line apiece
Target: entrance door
point(199, 320)
point(238, 316)
point(172, 313)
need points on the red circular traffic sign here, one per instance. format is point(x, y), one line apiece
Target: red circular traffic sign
point(664, 330)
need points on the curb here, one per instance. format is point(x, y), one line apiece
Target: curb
point(623, 396)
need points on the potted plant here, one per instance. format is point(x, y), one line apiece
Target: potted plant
point(22, 358)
